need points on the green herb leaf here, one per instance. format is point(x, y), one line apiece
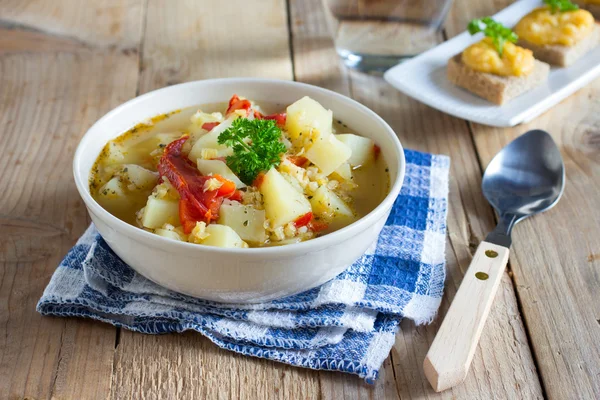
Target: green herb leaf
point(494, 30)
point(561, 5)
point(256, 147)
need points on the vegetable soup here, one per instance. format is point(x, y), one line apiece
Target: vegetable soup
point(241, 174)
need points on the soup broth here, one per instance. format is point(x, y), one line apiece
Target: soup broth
point(239, 174)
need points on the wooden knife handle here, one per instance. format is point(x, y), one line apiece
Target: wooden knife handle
point(451, 352)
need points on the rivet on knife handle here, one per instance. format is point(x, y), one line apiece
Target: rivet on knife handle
point(451, 352)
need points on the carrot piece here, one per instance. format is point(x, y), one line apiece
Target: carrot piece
point(259, 180)
point(227, 188)
point(317, 226)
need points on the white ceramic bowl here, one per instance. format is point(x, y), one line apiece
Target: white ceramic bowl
point(238, 275)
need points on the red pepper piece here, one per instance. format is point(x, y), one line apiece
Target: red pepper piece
point(236, 196)
point(195, 204)
point(279, 118)
point(209, 125)
point(235, 103)
point(297, 160)
point(377, 151)
point(303, 220)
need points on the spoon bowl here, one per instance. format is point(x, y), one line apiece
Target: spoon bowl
point(526, 177)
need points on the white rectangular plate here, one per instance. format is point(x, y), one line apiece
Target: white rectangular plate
point(424, 79)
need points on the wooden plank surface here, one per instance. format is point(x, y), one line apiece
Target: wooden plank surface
point(51, 61)
point(555, 257)
point(184, 42)
point(503, 365)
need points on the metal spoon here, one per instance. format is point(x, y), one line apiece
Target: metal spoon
point(525, 178)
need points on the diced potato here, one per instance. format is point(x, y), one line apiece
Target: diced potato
point(328, 154)
point(305, 115)
point(327, 205)
point(283, 203)
point(112, 196)
point(165, 190)
point(168, 234)
point(293, 181)
point(159, 212)
point(210, 141)
point(200, 117)
point(247, 221)
point(119, 154)
point(209, 154)
point(343, 172)
point(222, 236)
point(362, 148)
point(207, 167)
point(138, 178)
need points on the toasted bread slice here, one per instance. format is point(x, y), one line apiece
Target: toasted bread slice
point(560, 55)
point(495, 88)
point(593, 8)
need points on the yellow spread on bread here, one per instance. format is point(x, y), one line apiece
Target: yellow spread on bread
point(483, 57)
point(543, 27)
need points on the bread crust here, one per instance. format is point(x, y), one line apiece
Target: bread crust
point(560, 55)
point(494, 88)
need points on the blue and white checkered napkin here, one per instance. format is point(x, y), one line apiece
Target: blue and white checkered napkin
point(347, 324)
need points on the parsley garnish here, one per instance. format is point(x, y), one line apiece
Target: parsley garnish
point(561, 5)
point(494, 30)
point(256, 147)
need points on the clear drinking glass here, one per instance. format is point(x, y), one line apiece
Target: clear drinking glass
point(374, 35)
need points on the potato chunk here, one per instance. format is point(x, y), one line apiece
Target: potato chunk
point(118, 153)
point(247, 221)
point(293, 181)
point(207, 167)
point(343, 172)
point(283, 203)
point(222, 236)
point(168, 234)
point(210, 141)
point(362, 148)
point(113, 197)
point(305, 115)
point(138, 178)
point(328, 154)
point(159, 212)
point(328, 206)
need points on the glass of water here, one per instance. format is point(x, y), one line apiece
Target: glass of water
point(374, 35)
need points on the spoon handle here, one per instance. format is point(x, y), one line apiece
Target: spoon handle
point(451, 352)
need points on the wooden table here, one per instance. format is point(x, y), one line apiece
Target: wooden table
point(64, 63)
